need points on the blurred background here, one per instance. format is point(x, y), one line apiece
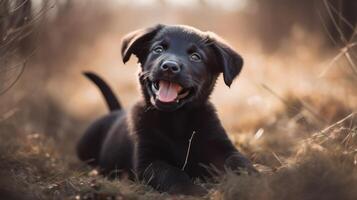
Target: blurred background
point(299, 77)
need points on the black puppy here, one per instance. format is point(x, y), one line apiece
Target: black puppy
point(170, 137)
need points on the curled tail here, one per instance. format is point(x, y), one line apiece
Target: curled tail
point(110, 98)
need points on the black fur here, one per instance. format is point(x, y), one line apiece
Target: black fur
point(112, 102)
point(153, 138)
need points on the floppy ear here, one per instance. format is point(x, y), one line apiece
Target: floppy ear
point(229, 61)
point(136, 43)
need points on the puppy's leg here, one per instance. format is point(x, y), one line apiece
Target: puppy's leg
point(89, 146)
point(236, 161)
point(167, 178)
point(231, 158)
point(116, 156)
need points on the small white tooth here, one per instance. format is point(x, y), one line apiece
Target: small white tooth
point(154, 89)
point(183, 95)
point(178, 101)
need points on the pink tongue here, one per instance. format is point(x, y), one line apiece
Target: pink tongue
point(168, 91)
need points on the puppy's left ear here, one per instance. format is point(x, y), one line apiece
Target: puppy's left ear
point(229, 61)
point(136, 43)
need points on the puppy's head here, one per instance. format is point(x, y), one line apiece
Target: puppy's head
point(180, 64)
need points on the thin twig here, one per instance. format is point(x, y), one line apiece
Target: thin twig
point(327, 29)
point(331, 63)
point(351, 62)
point(343, 19)
point(338, 123)
point(188, 150)
point(345, 50)
point(328, 8)
point(341, 16)
point(23, 66)
point(19, 6)
point(277, 158)
point(14, 82)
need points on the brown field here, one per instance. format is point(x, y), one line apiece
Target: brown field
point(293, 109)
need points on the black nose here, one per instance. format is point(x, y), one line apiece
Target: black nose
point(172, 66)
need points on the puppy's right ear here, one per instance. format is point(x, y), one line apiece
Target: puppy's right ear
point(136, 43)
point(229, 61)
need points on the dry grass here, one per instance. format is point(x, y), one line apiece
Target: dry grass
point(292, 111)
point(321, 166)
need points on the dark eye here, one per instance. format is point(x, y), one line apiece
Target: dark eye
point(158, 49)
point(195, 57)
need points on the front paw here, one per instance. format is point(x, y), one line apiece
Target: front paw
point(238, 162)
point(192, 190)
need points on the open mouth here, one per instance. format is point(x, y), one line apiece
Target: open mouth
point(170, 92)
